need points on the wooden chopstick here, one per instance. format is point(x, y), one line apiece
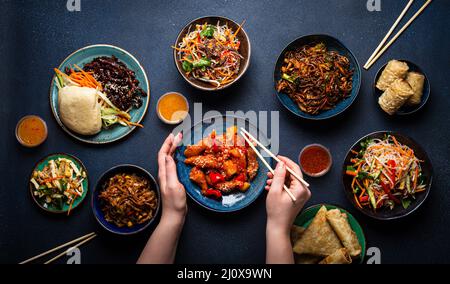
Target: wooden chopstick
point(65, 252)
point(390, 32)
point(268, 167)
point(417, 14)
point(57, 248)
point(276, 158)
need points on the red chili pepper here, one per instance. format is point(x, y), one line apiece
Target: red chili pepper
point(213, 193)
point(364, 198)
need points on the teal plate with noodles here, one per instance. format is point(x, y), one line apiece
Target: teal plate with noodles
point(57, 205)
point(307, 215)
point(86, 55)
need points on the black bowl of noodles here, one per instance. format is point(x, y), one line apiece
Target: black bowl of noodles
point(317, 77)
point(126, 200)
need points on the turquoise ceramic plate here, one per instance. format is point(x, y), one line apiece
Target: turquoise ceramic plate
point(86, 55)
point(236, 200)
point(306, 217)
point(65, 207)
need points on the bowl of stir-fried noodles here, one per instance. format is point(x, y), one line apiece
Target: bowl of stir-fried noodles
point(317, 77)
point(126, 200)
point(212, 53)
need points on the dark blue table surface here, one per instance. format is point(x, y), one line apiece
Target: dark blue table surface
point(36, 36)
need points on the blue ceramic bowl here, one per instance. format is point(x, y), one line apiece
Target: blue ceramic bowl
point(86, 55)
point(405, 110)
point(237, 200)
point(334, 45)
point(96, 203)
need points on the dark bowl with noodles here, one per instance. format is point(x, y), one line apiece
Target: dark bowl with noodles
point(126, 200)
point(317, 77)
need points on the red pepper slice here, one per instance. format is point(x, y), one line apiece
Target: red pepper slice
point(364, 198)
point(392, 164)
point(216, 177)
point(215, 148)
point(213, 193)
point(241, 178)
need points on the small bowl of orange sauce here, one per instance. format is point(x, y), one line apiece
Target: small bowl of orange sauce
point(315, 160)
point(172, 108)
point(31, 131)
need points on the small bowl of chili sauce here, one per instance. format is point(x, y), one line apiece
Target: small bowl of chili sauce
point(315, 160)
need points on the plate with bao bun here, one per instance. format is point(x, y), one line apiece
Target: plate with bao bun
point(80, 114)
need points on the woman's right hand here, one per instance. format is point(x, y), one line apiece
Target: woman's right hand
point(281, 210)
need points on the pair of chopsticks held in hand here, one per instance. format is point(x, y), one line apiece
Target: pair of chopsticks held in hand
point(247, 136)
point(76, 243)
point(380, 50)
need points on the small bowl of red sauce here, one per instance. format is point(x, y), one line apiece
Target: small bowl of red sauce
point(315, 160)
point(31, 131)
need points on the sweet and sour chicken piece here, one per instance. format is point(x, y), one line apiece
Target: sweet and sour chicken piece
point(199, 177)
point(204, 162)
point(194, 150)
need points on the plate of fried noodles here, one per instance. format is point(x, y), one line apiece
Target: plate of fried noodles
point(126, 200)
point(317, 77)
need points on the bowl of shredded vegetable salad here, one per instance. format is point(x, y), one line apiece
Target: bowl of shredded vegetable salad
point(387, 175)
point(212, 53)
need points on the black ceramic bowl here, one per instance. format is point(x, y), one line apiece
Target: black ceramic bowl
point(398, 211)
point(405, 110)
point(332, 44)
point(244, 50)
point(96, 203)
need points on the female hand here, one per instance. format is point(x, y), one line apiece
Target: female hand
point(174, 206)
point(162, 245)
point(281, 210)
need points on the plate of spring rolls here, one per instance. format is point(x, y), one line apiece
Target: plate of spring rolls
point(401, 87)
point(327, 234)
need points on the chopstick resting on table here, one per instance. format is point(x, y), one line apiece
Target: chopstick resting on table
point(375, 56)
point(274, 157)
point(268, 166)
point(82, 240)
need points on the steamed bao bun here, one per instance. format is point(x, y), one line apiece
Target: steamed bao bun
point(79, 110)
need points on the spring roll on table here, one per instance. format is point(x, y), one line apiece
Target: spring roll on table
point(416, 81)
point(319, 239)
point(340, 256)
point(394, 70)
point(340, 225)
point(395, 96)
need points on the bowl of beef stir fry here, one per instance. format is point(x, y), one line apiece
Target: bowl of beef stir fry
point(317, 77)
point(212, 53)
point(126, 200)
